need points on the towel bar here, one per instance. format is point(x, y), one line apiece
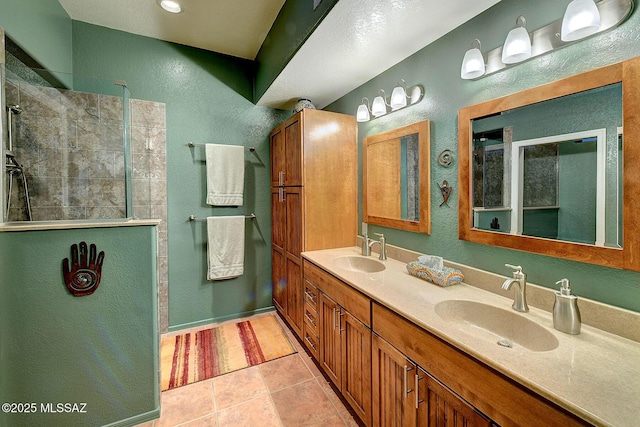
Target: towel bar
point(193, 217)
point(191, 145)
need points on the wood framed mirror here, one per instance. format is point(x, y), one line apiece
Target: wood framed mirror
point(396, 178)
point(498, 205)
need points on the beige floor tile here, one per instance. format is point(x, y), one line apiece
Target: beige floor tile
point(237, 387)
point(331, 394)
point(284, 372)
point(303, 404)
point(186, 403)
point(334, 421)
point(310, 364)
point(258, 412)
point(206, 421)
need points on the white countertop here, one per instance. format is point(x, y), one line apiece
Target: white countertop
point(595, 375)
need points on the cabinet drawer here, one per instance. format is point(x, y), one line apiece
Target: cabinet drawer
point(311, 341)
point(356, 303)
point(491, 392)
point(311, 318)
point(311, 295)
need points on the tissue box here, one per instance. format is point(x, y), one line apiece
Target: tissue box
point(445, 277)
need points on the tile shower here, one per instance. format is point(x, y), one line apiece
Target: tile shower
point(70, 145)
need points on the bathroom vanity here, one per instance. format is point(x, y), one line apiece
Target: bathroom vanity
point(404, 352)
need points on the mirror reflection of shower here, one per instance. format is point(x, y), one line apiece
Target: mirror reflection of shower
point(15, 171)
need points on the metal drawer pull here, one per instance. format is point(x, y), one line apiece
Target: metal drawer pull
point(310, 296)
point(281, 178)
point(311, 319)
point(418, 378)
point(307, 339)
point(406, 389)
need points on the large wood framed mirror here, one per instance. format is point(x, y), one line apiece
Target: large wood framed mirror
point(396, 178)
point(552, 169)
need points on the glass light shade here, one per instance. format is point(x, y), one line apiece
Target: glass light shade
point(170, 6)
point(581, 19)
point(398, 98)
point(363, 113)
point(472, 64)
point(517, 46)
point(378, 108)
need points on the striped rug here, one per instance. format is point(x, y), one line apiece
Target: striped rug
point(204, 354)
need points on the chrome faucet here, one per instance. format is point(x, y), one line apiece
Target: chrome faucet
point(383, 246)
point(366, 249)
point(520, 300)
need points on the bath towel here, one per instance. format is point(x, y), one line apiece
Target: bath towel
point(225, 174)
point(225, 247)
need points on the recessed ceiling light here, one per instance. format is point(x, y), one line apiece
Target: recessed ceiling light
point(170, 6)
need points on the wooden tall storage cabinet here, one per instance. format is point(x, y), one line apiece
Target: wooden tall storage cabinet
point(314, 196)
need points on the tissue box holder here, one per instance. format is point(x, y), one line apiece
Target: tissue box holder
point(445, 277)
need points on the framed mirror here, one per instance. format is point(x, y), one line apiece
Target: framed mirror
point(396, 178)
point(543, 170)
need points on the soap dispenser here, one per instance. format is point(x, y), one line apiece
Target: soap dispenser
point(566, 315)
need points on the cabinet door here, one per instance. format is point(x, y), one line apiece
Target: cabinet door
point(355, 340)
point(329, 354)
point(279, 280)
point(293, 151)
point(277, 157)
point(393, 386)
point(294, 295)
point(446, 409)
point(294, 240)
point(278, 218)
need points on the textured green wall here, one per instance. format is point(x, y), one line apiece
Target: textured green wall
point(295, 22)
point(100, 349)
point(207, 98)
point(41, 28)
point(437, 68)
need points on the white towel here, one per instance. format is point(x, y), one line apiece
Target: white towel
point(225, 174)
point(225, 247)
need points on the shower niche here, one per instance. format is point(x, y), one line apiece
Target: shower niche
point(77, 148)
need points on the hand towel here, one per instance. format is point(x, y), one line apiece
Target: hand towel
point(225, 247)
point(225, 174)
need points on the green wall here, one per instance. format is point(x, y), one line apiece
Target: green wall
point(207, 98)
point(41, 28)
point(437, 68)
point(100, 349)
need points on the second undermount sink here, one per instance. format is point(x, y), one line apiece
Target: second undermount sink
point(504, 327)
point(358, 263)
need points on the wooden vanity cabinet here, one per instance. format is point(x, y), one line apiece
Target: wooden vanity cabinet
point(405, 395)
point(344, 351)
point(314, 193)
point(469, 383)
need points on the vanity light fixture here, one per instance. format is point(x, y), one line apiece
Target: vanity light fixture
point(400, 98)
point(517, 46)
point(170, 6)
point(473, 62)
point(363, 111)
point(582, 18)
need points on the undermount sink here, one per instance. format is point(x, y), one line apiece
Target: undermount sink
point(358, 263)
point(505, 327)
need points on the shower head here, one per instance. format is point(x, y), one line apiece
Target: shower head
point(15, 109)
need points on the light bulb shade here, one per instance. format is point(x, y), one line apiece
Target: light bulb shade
point(363, 113)
point(170, 6)
point(398, 98)
point(517, 46)
point(472, 64)
point(581, 19)
point(378, 108)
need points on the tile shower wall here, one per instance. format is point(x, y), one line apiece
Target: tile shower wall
point(71, 147)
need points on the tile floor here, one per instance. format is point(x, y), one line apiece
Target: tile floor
point(289, 391)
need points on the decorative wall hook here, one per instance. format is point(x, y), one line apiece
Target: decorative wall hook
point(445, 189)
point(445, 158)
point(82, 274)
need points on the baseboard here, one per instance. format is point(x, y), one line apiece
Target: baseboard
point(220, 319)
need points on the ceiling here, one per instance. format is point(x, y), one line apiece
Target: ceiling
point(356, 41)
